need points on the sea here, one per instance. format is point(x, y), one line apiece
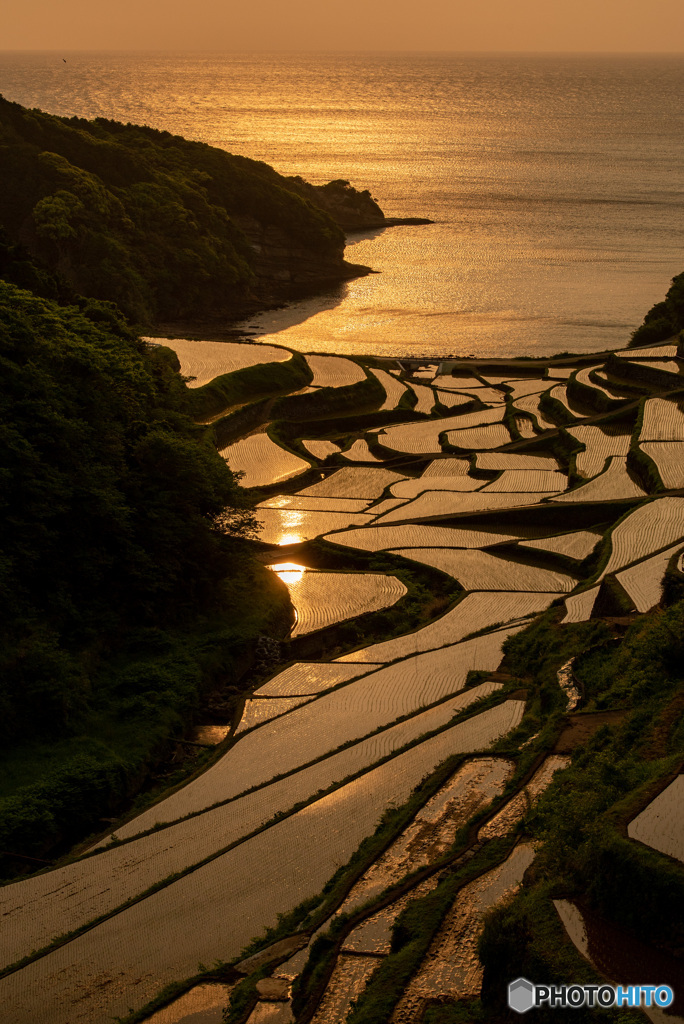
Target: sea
point(555, 182)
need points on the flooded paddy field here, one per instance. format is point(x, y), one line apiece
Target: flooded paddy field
point(204, 360)
point(321, 752)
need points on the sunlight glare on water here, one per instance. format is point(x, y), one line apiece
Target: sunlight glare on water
point(554, 180)
point(289, 572)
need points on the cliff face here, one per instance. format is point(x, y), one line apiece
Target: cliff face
point(166, 228)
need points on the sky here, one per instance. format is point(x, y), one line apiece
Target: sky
point(371, 25)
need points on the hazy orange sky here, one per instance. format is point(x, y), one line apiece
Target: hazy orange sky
point(452, 25)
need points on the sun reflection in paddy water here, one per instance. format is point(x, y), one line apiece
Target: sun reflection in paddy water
point(289, 572)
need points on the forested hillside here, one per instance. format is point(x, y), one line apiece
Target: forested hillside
point(166, 228)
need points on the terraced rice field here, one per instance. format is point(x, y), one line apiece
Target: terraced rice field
point(353, 482)
point(314, 730)
point(529, 480)
point(308, 677)
point(434, 828)
point(263, 1013)
point(514, 460)
point(291, 525)
point(599, 446)
point(530, 404)
point(205, 360)
point(666, 366)
point(663, 420)
point(474, 612)
point(478, 570)
point(654, 351)
point(532, 386)
point(256, 712)
point(573, 545)
point(446, 503)
point(425, 398)
point(385, 505)
point(414, 535)
point(411, 488)
point(334, 371)
point(578, 608)
point(418, 438)
point(648, 528)
point(667, 456)
point(451, 399)
point(560, 393)
point(323, 598)
point(525, 427)
point(348, 981)
point(214, 910)
point(452, 967)
point(493, 435)
point(448, 383)
point(71, 896)
point(559, 372)
point(661, 824)
point(321, 449)
point(393, 388)
point(311, 504)
point(447, 467)
point(517, 807)
point(643, 581)
point(584, 378)
point(360, 452)
point(374, 935)
point(262, 461)
point(208, 1000)
point(615, 482)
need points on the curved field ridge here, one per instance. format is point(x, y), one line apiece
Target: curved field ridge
point(598, 447)
point(615, 482)
point(529, 480)
point(418, 438)
point(579, 607)
point(360, 452)
point(478, 570)
point(667, 456)
point(213, 912)
point(661, 824)
point(385, 505)
point(446, 503)
point(643, 581)
point(666, 366)
point(354, 482)
point(474, 612)
point(452, 967)
point(262, 461)
point(205, 360)
point(583, 378)
point(381, 538)
point(514, 460)
point(42, 907)
point(530, 404)
point(426, 398)
point(573, 545)
point(334, 371)
point(321, 449)
point(645, 530)
point(663, 420)
point(311, 504)
point(374, 935)
point(323, 598)
point(308, 677)
point(492, 435)
point(521, 388)
point(393, 388)
point(291, 525)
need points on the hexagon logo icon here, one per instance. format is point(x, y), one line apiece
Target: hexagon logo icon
point(521, 995)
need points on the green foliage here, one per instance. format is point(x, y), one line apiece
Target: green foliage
point(248, 385)
point(324, 402)
point(161, 226)
point(115, 508)
point(664, 319)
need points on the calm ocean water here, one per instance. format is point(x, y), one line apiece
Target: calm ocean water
point(556, 182)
